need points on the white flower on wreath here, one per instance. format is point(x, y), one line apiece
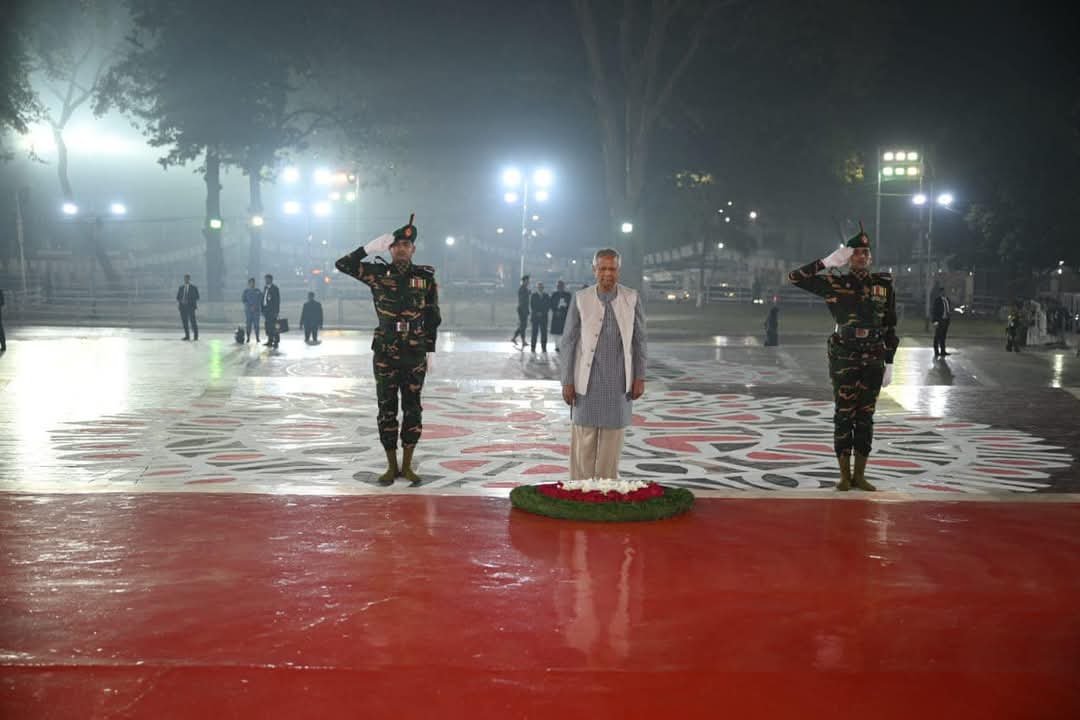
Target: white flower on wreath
point(604, 485)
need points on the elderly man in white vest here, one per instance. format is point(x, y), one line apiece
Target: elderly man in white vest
point(603, 368)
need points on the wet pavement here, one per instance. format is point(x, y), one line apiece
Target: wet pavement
point(192, 530)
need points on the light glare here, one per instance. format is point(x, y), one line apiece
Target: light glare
point(543, 178)
point(511, 177)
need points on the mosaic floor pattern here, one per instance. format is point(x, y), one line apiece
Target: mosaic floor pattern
point(317, 435)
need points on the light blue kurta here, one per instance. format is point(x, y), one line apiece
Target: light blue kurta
point(605, 403)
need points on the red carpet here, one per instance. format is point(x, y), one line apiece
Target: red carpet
point(176, 605)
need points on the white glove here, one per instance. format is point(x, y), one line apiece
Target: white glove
point(431, 362)
point(379, 244)
point(838, 257)
point(887, 377)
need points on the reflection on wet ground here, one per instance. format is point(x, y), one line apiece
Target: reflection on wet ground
point(191, 529)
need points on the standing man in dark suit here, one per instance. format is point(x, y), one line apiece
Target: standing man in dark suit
point(540, 306)
point(3, 338)
point(940, 317)
point(187, 297)
point(522, 311)
point(560, 306)
point(271, 306)
point(311, 318)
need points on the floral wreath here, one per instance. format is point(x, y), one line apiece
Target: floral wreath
point(602, 500)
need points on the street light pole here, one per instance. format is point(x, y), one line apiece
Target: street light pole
point(524, 215)
point(929, 251)
point(877, 212)
point(514, 180)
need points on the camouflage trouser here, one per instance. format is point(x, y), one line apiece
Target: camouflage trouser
point(405, 374)
point(856, 379)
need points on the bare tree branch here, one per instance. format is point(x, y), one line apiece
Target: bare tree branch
point(662, 12)
point(684, 62)
point(626, 39)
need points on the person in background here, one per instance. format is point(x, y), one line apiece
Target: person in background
point(772, 327)
point(522, 311)
point(939, 315)
point(252, 300)
point(539, 307)
point(271, 306)
point(3, 338)
point(560, 306)
point(311, 319)
point(187, 298)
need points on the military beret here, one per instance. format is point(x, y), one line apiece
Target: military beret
point(862, 240)
point(406, 232)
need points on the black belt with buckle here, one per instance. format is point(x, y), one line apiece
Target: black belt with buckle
point(858, 333)
point(400, 326)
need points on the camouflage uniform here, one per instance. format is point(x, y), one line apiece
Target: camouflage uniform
point(407, 305)
point(864, 306)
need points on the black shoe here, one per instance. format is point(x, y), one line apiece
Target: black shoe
point(945, 353)
point(186, 338)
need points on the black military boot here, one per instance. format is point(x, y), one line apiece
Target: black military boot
point(858, 478)
point(406, 466)
point(387, 478)
point(845, 471)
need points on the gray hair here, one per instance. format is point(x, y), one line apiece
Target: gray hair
point(607, 252)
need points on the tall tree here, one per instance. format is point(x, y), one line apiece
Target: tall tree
point(210, 82)
point(18, 104)
point(635, 66)
point(72, 45)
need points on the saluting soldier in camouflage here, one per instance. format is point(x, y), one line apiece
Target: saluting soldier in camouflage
point(861, 348)
point(407, 305)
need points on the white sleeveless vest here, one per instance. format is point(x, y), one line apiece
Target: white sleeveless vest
point(591, 312)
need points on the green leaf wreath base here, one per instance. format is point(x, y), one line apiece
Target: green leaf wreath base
point(674, 501)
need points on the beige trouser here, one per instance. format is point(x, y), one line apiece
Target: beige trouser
point(594, 452)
